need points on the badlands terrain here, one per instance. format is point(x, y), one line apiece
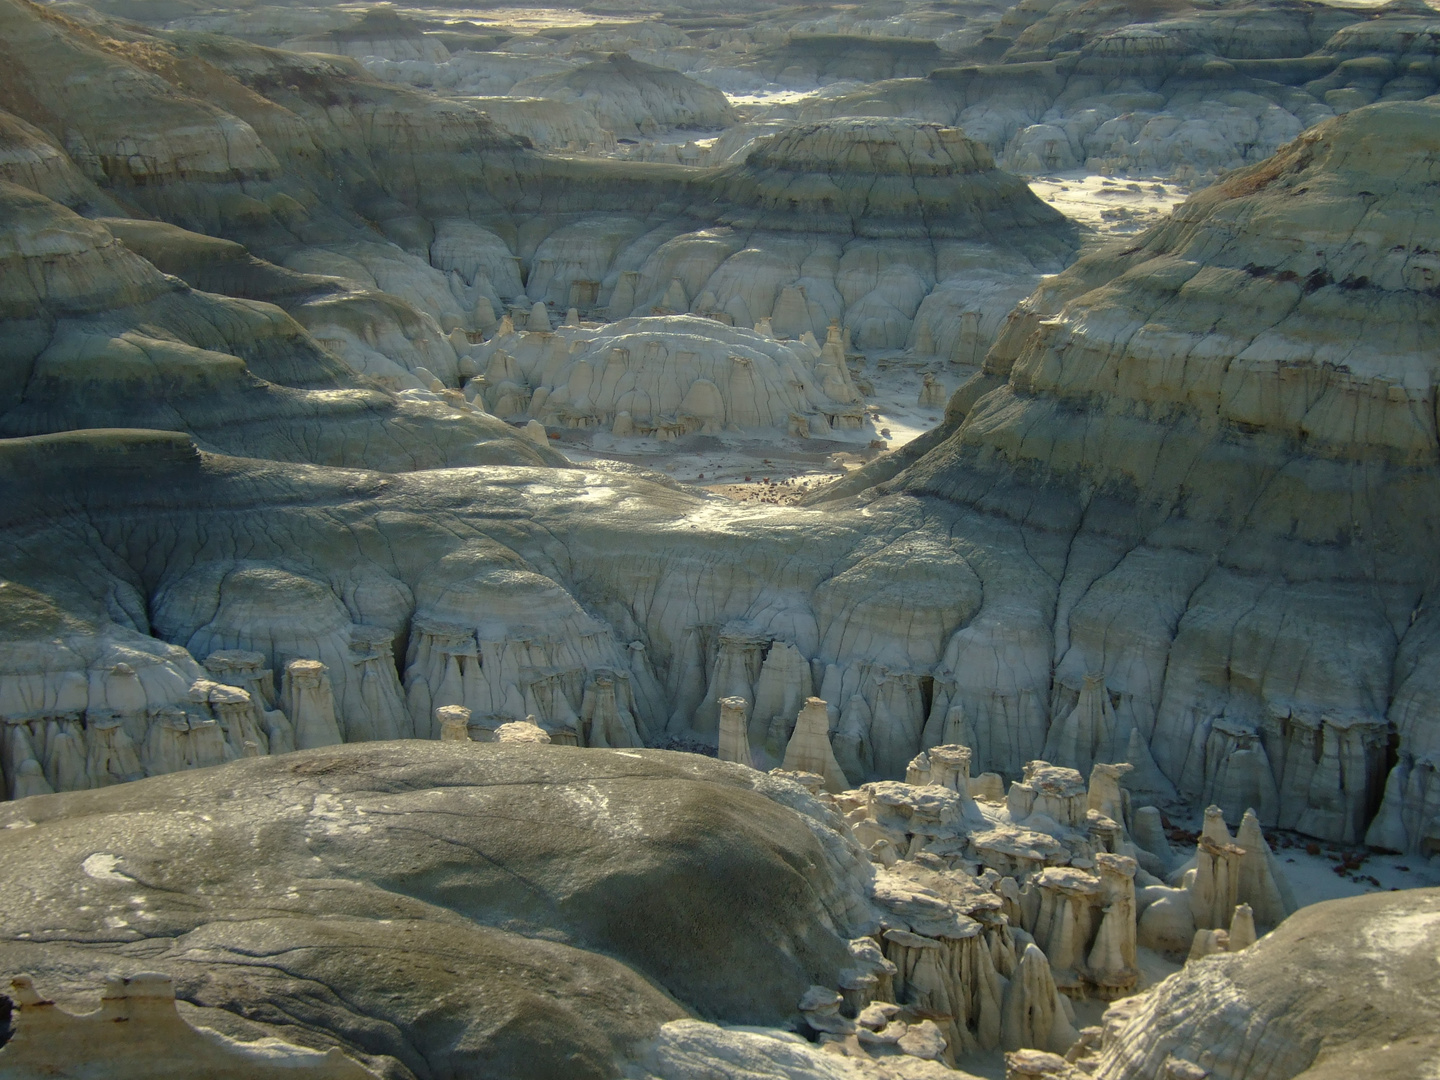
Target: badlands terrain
point(879, 541)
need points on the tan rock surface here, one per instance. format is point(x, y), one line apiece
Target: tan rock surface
point(1343, 988)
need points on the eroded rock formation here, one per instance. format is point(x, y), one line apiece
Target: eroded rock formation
point(1281, 1009)
point(1278, 404)
point(584, 970)
point(668, 377)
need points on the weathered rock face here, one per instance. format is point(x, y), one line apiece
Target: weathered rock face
point(1343, 988)
point(488, 627)
point(1128, 552)
point(381, 32)
point(395, 226)
point(1177, 89)
point(849, 221)
point(27, 158)
point(453, 937)
point(628, 97)
point(689, 1050)
point(668, 376)
point(879, 176)
point(1194, 413)
point(104, 339)
point(547, 123)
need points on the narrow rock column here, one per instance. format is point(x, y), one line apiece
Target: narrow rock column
point(30, 780)
point(1148, 833)
point(1262, 883)
point(110, 754)
point(1242, 928)
point(734, 723)
point(380, 713)
point(1032, 1015)
point(738, 662)
point(167, 743)
point(917, 773)
point(852, 739)
point(1054, 791)
point(1068, 902)
point(206, 744)
point(1215, 891)
point(245, 669)
point(605, 722)
point(1088, 731)
point(1105, 795)
point(1113, 966)
point(236, 712)
point(310, 704)
point(809, 749)
point(784, 683)
point(921, 980)
point(1214, 827)
point(932, 393)
point(1208, 943)
point(453, 722)
point(21, 764)
point(950, 767)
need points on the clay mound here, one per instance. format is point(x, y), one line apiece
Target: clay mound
point(103, 339)
point(547, 123)
point(28, 158)
point(629, 97)
point(382, 31)
point(871, 147)
point(668, 376)
point(1342, 989)
point(474, 910)
point(886, 177)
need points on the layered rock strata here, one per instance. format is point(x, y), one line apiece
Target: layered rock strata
point(668, 377)
point(1186, 91)
point(1071, 510)
point(629, 98)
point(1185, 419)
point(429, 216)
point(1276, 1010)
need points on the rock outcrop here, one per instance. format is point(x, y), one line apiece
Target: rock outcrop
point(667, 377)
point(1277, 403)
point(1187, 91)
point(103, 338)
point(1105, 554)
point(629, 97)
point(1281, 1009)
point(382, 32)
point(421, 926)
